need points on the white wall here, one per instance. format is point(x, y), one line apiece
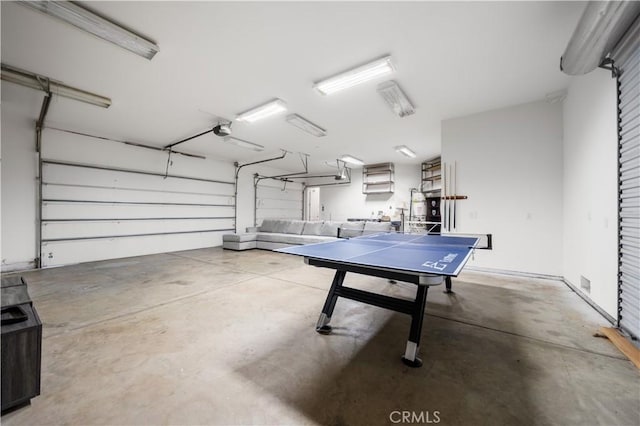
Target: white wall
point(509, 164)
point(19, 185)
point(590, 182)
point(343, 202)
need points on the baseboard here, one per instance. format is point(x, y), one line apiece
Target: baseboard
point(18, 266)
point(513, 273)
point(583, 296)
point(591, 303)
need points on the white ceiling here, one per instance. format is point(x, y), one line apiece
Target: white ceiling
point(452, 59)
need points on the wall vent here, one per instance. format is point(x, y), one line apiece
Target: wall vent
point(585, 284)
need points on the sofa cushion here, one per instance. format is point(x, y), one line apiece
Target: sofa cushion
point(291, 238)
point(292, 227)
point(239, 238)
point(329, 229)
point(312, 228)
point(351, 229)
point(268, 225)
point(278, 237)
point(374, 227)
point(282, 226)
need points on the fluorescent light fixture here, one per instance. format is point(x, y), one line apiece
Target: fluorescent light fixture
point(275, 106)
point(40, 82)
point(355, 76)
point(79, 17)
point(404, 150)
point(243, 144)
point(352, 160)
point(395, 98)
point(305, 125)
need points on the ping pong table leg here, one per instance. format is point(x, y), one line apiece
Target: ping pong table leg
point(410, 357)
point(322, 325)
point(447, 284)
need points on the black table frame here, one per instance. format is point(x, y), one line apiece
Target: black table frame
point(414, 308)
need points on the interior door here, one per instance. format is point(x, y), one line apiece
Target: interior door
point(312, 204)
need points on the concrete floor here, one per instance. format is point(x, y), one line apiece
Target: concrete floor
point(220, 337)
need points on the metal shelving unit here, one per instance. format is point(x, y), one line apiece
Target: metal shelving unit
point(431, 187)
point(431, 180)
point(378, 178)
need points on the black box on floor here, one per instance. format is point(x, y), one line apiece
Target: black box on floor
point(21, 345)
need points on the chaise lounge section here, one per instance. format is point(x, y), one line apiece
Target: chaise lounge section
point(278, 233)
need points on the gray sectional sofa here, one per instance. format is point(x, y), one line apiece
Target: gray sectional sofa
point(277, 233)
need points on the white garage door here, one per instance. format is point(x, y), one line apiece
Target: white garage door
point(104, 200)
point(277, 200)
point(629, 190)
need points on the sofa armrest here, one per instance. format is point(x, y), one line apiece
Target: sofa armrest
point(252, 229)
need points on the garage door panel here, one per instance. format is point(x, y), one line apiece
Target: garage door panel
point(56, 173)
point(106, 228)
point(96, 193)
point(281, 204)
point(73, 211)
point(77, 251)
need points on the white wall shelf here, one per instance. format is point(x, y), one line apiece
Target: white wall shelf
point(378, 178)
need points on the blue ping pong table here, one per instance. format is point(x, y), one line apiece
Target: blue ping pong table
point(424, 260)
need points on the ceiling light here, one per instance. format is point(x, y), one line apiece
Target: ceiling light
point(40, 82)
point(78, 16)
point(355, 76)
point(352, 160)
point(305, 125)
point(402, 149)
point(395, 98)
point(243, 144)
point(263, 111)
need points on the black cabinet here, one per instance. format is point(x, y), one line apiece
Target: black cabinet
point(21, 345)
point(433, 213)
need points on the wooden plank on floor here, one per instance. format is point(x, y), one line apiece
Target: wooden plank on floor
point(624, 345)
